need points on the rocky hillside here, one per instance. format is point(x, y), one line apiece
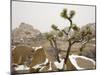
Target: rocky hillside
point(25, 33)
point(91, 26)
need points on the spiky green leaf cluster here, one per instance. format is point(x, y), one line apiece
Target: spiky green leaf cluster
point(86, 31)
point(71, 14)
point(64, 14)
point(75, 27)
point(54, 27)
point(49, 36)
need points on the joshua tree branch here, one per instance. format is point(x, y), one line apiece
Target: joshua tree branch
point(65, 32)
point(51, 43)
point(77, 41)
point(70, 24)
point(56, 48)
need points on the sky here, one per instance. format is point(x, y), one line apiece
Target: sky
point(42, 15)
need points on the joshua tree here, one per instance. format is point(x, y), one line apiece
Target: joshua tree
point(79, 36)
point(53, 43)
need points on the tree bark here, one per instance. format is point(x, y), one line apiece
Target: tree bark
point(68, 51)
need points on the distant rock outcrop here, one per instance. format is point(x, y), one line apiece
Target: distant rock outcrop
point(25, 33)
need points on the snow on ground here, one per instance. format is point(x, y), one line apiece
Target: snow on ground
point(73, 59)
point(59, 65)
point(50, 68)
point(21, 67)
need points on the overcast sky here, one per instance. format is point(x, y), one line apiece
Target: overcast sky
point(42, 15)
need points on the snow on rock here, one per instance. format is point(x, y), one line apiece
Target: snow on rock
point(46, 61)
point(40, 65)
point(13, 47)
point(36, 48)
point(82, 62)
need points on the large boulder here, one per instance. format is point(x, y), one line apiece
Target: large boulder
point(39, 57)
point(82, 62)
point(21, 54)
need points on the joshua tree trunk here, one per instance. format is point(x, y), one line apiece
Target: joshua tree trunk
point(67, 56)
point(68, 51)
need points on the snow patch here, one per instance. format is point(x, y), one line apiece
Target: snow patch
point(36, 48)
point(50, 68)
point(40, 65)
point(22, 67)
point(74, 57)
point(73, 61)
point(59, 65)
